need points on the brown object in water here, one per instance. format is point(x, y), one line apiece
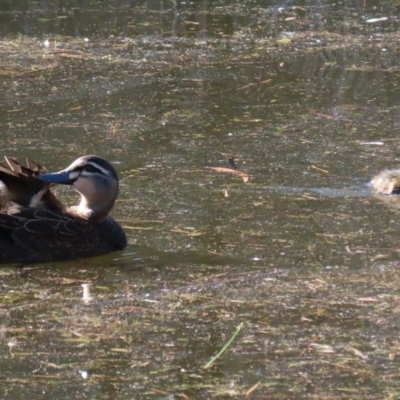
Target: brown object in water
point(387, 182)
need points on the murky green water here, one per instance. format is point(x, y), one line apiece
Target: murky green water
point(301, 254)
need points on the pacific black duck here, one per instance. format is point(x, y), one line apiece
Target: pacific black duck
point(36, 227)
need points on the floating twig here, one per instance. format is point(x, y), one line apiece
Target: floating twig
point(244, 176)
point(228, 343)
point(253, 388)
point(320, 169)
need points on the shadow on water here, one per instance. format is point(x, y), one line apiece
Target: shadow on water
point(243, 134)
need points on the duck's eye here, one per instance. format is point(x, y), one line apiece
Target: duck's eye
point(90, 168)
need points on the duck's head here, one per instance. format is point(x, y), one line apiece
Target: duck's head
point(95, 179)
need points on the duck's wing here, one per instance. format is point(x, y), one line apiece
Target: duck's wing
point(35, 167)
point(22, 187)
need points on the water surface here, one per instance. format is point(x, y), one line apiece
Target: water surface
point(303, 99)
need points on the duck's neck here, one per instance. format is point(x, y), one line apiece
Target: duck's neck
point(90, 212)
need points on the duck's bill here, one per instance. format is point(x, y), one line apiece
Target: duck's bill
point(63, 177)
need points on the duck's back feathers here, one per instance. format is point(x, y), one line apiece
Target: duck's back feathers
point(28, 235)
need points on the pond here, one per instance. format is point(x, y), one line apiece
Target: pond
point(259, 263)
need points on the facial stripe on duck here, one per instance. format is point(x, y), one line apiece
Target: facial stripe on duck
point(95, 180)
